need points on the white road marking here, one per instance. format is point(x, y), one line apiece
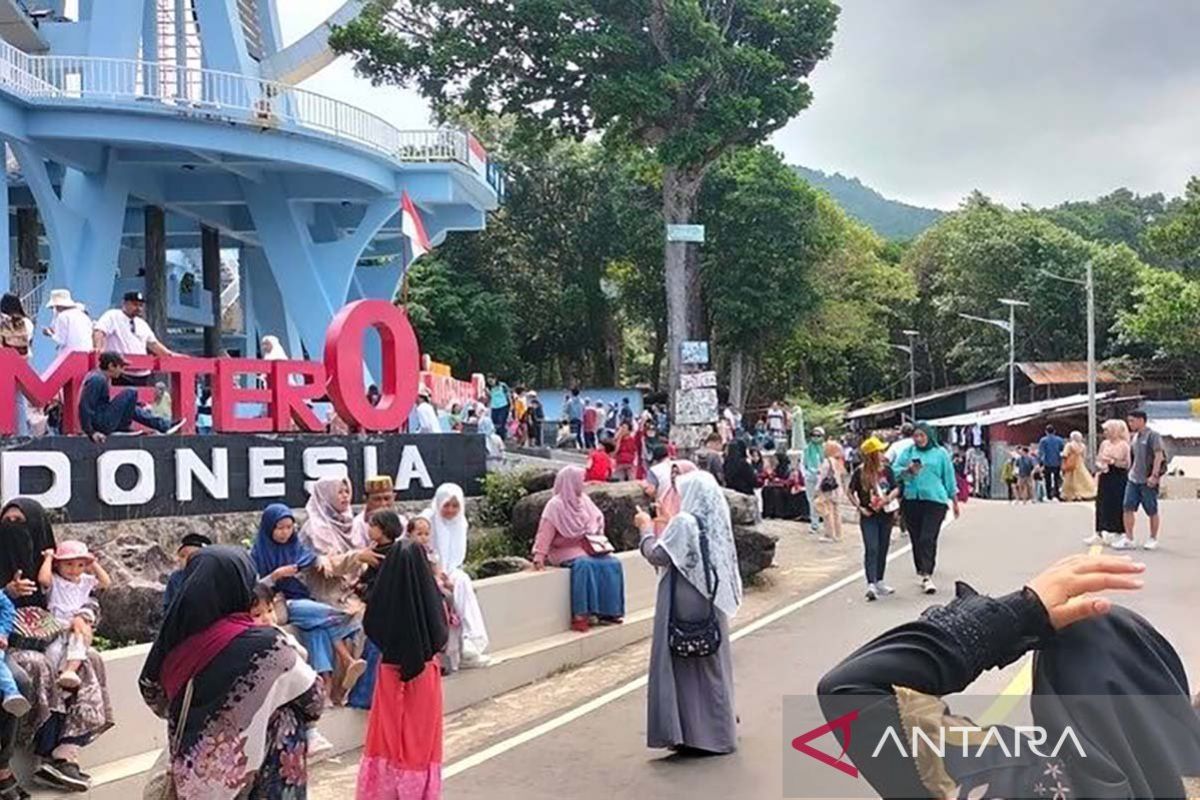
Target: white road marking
point(569, 716)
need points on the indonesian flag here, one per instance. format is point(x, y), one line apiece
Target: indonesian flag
point(477, 156)
point(412, 227)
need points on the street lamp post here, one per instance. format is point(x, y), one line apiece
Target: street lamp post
point(912, 373)
point(1089, 285)
point(1009, 325)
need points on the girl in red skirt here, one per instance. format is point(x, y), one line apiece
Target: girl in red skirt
point(406, 618)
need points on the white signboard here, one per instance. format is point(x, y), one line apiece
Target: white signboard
point(685, 233)
point(698, 380)
point(693, 352)
point(696, 406)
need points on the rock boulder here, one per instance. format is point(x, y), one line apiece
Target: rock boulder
point(131, 609)
point(755, 549)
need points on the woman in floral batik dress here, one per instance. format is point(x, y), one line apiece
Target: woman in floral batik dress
point(252, 694)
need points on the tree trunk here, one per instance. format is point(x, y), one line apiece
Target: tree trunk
point(660, 346)
point(155, 264)
point(742, 372)
point(210, 259)
point(681, 188)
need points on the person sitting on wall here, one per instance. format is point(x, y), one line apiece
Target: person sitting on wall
point(101, 415)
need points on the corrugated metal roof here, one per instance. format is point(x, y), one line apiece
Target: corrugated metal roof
point(896, 405)
point(1177, 428)
point(1043, 373)
point(1022, 412)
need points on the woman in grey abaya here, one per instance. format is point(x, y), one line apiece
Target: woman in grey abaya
point(690, 701)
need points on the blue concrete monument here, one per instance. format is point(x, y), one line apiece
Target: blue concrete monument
point(112, 107)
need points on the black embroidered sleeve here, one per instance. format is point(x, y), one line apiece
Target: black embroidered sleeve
point(991, 632)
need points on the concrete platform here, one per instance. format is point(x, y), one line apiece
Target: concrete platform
point(528, 619)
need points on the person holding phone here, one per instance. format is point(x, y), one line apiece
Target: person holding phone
point(926, 477)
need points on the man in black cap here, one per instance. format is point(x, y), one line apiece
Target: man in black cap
point(101, 414)
point(124, 331)
point(191, 544)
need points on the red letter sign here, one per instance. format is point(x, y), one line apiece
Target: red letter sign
point(400, 368)
point(289, 407)
point(18, 377)
point(227, 395)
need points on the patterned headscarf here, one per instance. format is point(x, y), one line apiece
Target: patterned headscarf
point(705, 509)
point(327, 530)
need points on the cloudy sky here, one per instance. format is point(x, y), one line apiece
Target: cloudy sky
point(1029, 101)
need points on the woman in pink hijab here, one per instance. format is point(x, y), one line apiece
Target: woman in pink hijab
point(571, 534)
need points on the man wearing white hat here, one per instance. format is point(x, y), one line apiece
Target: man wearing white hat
point(427, 418)
point(72, 327)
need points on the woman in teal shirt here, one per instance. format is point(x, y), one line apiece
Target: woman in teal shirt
point(927, 476)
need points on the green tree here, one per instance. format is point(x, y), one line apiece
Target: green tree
point(1174, 241)
point(842, 350)
point(764, 240)
point(1120, 217)
point(984, 252)
point(690, 79)
point(1163, 322)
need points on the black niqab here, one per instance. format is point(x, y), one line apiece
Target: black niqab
point(22, 545)
point(406, 616)
point(1121, 687)
point(218, 582)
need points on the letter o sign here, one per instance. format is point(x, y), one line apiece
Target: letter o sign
point(111, 493)
point(400, 369)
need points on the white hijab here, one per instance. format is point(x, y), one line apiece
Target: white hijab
point(277, 352)
point(449, 535)
point(703, 505)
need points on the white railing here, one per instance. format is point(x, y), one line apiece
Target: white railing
point(30, 287)
point(167, 87)
point(231, 293)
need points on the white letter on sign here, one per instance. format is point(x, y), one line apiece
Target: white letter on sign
point(111, 494)
point(412, 467)
point(13, 461)
point(189, 466)
point(323, 462)
point(265, 471)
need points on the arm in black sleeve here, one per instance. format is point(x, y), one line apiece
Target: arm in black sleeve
point(941, 653)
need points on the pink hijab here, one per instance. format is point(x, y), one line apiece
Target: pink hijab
point(328, 531)
point(570, 511)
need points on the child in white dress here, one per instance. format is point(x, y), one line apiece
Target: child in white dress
point(69, 575)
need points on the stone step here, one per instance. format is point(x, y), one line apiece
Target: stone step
point(124, 778)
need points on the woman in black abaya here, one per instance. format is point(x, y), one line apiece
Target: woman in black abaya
point(1100, 670)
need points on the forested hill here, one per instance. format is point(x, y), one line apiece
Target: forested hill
point(889, 218)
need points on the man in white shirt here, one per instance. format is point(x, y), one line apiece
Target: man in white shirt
point(72, 328)
point(427, 418)
point(123, 330)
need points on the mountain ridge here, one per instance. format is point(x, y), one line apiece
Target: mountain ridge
point(891, 219)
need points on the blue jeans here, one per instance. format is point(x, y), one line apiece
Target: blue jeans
point(320, 627)
point(877, 537)
point(811, 491)
point(597, 586)
point(1140, 494)
point(122, 411)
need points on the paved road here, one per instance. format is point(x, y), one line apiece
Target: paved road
point(995, 547)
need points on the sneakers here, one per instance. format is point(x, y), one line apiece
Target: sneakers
point(872, 595)
point(1095, 538)
point(824, 538)
point(175, 428)
point(318, 746)
point(16, 704)
point(927, 586)
point(61, 774)
point(883, 588)
point(69, 680)
point(1150, 544)
point(1123, 542)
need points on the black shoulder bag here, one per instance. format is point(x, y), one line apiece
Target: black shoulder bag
point(703, 637)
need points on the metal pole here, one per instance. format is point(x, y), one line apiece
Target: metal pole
point(1012, 355)
point(912, 379)
point(1091, 344)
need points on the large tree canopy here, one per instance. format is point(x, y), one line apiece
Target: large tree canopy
point(688, 79)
